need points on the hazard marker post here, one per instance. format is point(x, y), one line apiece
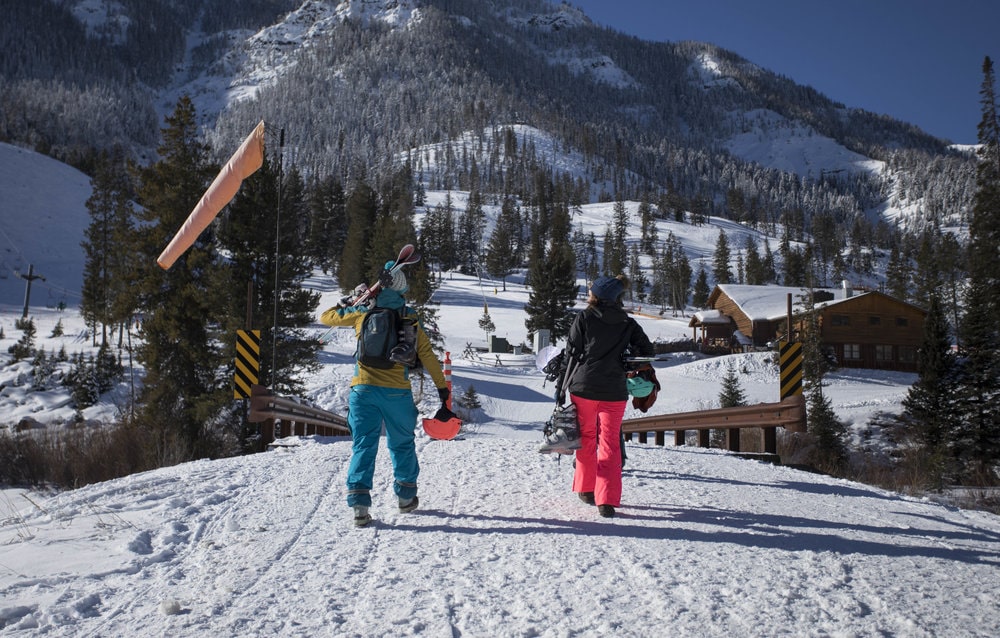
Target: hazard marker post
point(436, 428)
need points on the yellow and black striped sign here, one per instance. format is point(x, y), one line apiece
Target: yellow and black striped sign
point(791, 368)
point(247, 362)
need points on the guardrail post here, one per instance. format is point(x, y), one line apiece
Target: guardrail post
point(679, 437)
point(266, 434)
point(733, 439)
point(704, 438)
point(770, 435)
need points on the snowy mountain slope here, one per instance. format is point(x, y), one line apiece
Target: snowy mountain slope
point(43, 216)
point(275, 71)
point(776, 142)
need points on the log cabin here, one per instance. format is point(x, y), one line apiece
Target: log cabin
point(861, 329)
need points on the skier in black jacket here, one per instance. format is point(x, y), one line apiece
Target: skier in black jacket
point(597, 340)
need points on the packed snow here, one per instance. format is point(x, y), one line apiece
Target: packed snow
point(704, 544)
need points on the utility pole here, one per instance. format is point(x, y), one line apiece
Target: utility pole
point(31, 276)
point(277, 263)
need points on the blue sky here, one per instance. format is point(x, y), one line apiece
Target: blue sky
point(919, 61)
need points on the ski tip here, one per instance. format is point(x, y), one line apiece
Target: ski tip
point(442, 430)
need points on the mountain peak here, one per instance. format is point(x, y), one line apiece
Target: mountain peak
point(565, 16)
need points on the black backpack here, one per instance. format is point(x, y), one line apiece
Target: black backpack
point(379, 335)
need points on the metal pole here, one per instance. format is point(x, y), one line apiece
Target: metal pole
point(788, 325)
point(249, 323)
point(31, 276)
point(277, 264)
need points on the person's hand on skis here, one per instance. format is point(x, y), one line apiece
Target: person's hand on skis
point(385, 278)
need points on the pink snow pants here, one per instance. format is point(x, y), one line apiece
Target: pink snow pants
point(599, 460)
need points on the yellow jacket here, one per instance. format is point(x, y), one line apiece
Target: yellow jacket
point(398, 376)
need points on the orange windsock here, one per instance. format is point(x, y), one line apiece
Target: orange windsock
point(244, 163)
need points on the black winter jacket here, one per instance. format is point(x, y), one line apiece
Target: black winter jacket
point(597, 338)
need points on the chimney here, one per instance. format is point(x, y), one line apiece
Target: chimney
point(848, 291)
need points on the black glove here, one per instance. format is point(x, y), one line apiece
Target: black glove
point(385, 278)
point(444, 393)
point(444, 414)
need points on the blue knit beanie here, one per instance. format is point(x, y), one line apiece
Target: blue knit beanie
point(607, 288)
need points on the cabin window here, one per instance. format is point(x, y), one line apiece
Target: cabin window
point(883, 353)
point(907, 354)
point(874, 321)
point(902, 321)
point(840, 320)
point(852, 351)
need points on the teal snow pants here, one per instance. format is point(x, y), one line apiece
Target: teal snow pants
point(370, 406)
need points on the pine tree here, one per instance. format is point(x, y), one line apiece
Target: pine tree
point(720, 260)
point(82, 381)
point(356, 263)
point(679, 274)
point(469, 402)
point(755, 273)
point(486, 322)
point(659, 288)
point(929, 405)
point(897, 275)
point(437, 236)
point(647, 223)
point(615, 250)
point(978, 438)
point(25, 346)
point(591, 270)
point(106, 294)
point(553, 284)
point(183, 391)
point(501, 252)
point(984, 227)
point(471, 226)
point(248, 235)
point(637, 276)
point(769, 272)
point(979, 396)
point(731, 394)
point(327, 223)
point(829, 432)
point(701, 293)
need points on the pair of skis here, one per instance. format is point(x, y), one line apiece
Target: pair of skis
point(407, 255)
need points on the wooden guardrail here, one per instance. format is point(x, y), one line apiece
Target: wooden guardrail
point(274, 412)
point(789, 414)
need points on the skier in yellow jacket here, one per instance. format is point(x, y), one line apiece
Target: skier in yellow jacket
point(385, 395)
